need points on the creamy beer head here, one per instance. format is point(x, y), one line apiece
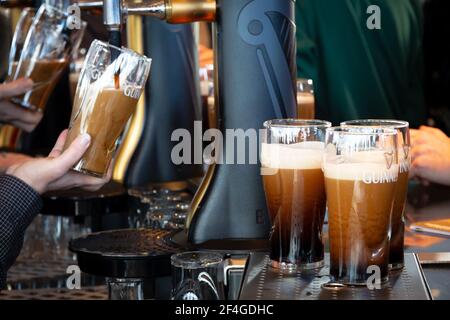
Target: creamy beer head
point(366, 166)
point(303, 155)
point(305, 98)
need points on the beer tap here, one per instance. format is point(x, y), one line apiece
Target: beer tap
point(171, 11)
point(112, 19)
point(255, 74)
point(258, 86)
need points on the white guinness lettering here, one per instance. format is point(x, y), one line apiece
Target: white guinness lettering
point(404, 167)
point(379, 177)
point(134, 93)
point(95, 74)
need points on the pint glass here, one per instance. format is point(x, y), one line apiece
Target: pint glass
point(110, 85)
point(361, 171)
point(396, 251)
point(291, 160)
point(41, 48)
point(197, 276)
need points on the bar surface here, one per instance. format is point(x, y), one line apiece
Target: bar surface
point(262, 282)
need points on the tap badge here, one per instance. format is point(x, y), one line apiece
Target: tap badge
point(266, 24)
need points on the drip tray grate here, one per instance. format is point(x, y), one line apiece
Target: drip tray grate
point(262, 282)
point(90, 293)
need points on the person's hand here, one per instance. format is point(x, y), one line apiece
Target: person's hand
point(430, 155)
point(10, 113)
point(53, 172)
point(206, 56)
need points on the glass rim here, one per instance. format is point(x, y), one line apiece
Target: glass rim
point(29, 9)
point(296, 123)
point(389, 123)
point(196, 259)
point(364, 131)
point(122, 49)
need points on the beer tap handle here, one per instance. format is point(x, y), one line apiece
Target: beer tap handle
point(256, 29)
point(155, 8)
point(174, 11)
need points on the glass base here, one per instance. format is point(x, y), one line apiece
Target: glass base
point(20, 103)
point(125, 289)
point(350, 283)
point(89, 172)
point(292, 267)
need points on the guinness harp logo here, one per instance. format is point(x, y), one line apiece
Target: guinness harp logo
point(389, 157)
point(266, 24)
point(405, 152)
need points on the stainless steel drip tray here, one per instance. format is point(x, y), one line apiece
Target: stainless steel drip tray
point(262, 282)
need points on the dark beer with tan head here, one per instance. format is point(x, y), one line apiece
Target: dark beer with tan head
point(291, 159)
point(396, 251)
point(361, 172)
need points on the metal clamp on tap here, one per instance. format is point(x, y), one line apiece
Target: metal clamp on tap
point(175, 11)
point(172, 11)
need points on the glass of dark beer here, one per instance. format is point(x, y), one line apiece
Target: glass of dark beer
point(361, 171)
point(291, 160)
point(396, 251)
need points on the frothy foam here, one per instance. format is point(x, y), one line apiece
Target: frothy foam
point(305, 98)
point(370, 167)
point(304, 155)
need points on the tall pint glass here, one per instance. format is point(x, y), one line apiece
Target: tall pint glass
point(361, 171)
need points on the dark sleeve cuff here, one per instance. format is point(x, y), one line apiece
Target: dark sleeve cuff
point(19, 204)
point(16, 193)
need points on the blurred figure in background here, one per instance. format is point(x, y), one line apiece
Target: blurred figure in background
point(360, 72)
point(430, 155)
point(10, 113)
point(205, 52)
point(17, 116)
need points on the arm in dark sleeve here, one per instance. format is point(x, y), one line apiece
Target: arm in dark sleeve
point(19, 204)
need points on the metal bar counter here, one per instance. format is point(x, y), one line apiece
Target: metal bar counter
point(40, 271)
